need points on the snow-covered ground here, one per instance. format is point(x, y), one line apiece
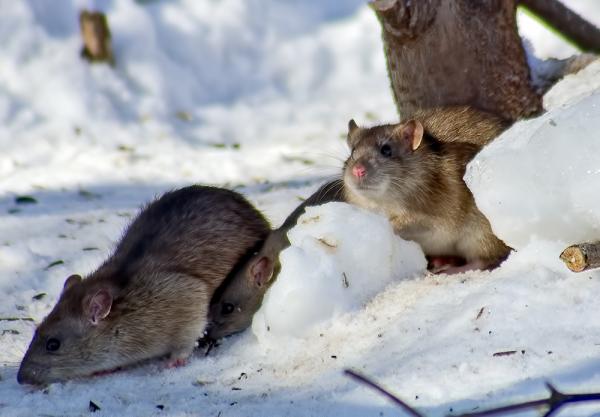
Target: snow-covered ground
point(256, 94)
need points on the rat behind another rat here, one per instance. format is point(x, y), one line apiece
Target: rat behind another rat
point(241, 295)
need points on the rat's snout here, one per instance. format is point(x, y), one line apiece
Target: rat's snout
point(27, 375)
point(359, 170)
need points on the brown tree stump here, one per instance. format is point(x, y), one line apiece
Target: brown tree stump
point(582, 256)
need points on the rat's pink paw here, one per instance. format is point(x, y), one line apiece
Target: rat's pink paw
point(440, 264)
point(176, 363)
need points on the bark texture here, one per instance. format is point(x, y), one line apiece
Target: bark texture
point(456, 52)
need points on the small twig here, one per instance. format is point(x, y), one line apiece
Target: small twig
point(385, 392)
point(505, 353)
point(16, 319)
point(554, 402)
point(504, 409)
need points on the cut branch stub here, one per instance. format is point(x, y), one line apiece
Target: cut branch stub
point(456, 52)
point(96, 37)
point(582, 256)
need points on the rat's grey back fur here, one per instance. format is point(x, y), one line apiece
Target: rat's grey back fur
point(161, 278)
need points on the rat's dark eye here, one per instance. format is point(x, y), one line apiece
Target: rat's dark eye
point(227, 308)
point(52, 345)
point(386, 150)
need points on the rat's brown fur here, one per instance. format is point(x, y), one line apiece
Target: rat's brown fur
point(461, 124)
point(421, 189)
point(160, 279)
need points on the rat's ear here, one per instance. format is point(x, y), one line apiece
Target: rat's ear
point(72, 280)
point(352, 126)
point(98, 305)
point(352, 137)
point(410, 133)
point(261, 271)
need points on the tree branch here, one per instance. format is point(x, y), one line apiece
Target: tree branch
point(364, 380)
point(554, 402)
point(575, 29)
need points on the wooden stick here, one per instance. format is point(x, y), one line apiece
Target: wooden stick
point(582, 256)
point(96, 37)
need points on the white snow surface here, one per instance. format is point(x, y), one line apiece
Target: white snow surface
point(339, 257)
point(255, 95)
point(541, 179)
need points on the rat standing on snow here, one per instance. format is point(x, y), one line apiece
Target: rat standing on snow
point(416, 179)
point(150, 298)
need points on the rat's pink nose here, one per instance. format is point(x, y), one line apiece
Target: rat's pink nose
point(359, 171)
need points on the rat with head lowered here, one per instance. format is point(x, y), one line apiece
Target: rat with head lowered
point(150, 299)
point(241, 295)
point(413, 173)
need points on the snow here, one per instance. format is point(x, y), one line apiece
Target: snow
point(339, 258)
point(541, 179)
point(255, 95)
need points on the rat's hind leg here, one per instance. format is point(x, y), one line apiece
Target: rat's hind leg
point(180, 354)
point(184, 344)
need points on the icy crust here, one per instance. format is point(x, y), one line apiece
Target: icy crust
point(340, 257)
point(541, 178)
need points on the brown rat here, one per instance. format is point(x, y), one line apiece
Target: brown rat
point(416, 179)
point(150, 298)
point(241, 295)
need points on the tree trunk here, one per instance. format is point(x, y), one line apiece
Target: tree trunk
point(456, 52)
